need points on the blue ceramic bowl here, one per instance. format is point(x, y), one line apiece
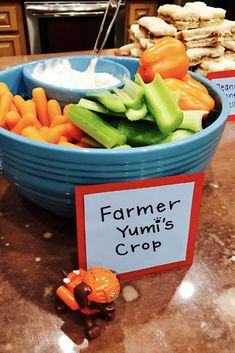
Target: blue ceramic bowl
point(47, 174)
point(80, 63)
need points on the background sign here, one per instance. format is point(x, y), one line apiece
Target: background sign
point(225, 80)
point(139, 226)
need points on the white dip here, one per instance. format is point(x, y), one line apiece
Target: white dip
point(61, 74)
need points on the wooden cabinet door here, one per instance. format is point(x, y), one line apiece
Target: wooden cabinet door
point(8, 18)
point(10, 45)
point(136, 10)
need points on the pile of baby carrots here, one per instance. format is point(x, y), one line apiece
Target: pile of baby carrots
point(39, 118)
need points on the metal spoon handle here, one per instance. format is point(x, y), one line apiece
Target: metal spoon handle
point(112, 4)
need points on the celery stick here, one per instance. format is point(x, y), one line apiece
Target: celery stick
point(94, 126)
point(192, 119)
point(140, 133)
point(162, 104)
point(91, 105)
point(149, 117)
point(109, 100)
point(136, 114)
point(123, 146)
point(178, 134)
point(131, 94)
point(97, 107)
point(90, 141)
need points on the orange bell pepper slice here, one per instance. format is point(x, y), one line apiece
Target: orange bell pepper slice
point(167, 57)
point(194, 83)
point(191, 98)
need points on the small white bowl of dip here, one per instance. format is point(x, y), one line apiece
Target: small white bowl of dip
point(67, 79)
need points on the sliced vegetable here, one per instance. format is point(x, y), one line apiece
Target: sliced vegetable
point(97, 107)
point(5, 103)
point(130, 113)
point(67, 144)
point(3, 88)
point(28, 120)
point(58, 119)
point(91, 142)
point(194, 83)
point(191, 98)
point(162, 104)
point(122, 146)
point(12, 118)
point(167, 57)
point(178, 134)
point(94, 126)
point(53, 134)
point(131, 94)
point(140, 133)
point(40, 99)
point(109, 100)
point(136, 114)
point(19, 103)
point(53, 109)
point(32, 133)
point(192, 120)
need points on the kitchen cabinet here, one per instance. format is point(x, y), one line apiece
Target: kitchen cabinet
point(136, 10)
point(12, 35)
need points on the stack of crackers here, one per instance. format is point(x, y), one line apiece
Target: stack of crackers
point(209, 38)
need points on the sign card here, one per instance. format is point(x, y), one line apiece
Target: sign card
point(138, 227)
point(225, 80)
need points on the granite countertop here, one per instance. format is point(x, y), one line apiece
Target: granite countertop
point(188, 309)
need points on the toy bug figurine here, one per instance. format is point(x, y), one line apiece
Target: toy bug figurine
point(91, 292)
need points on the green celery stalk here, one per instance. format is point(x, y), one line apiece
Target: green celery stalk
point(178, 134)
point(97, 107)
point(192, 119)
point(94, 106)
point(149, 117)
point(162, 104)
point(131, 94)
point(122, 146)
point(109, 100)
point(136, 114)
point(94, 126)
point(92, 142)
point(140, 133)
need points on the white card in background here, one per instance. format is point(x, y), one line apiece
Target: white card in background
point(138, 227)
point(225, 80)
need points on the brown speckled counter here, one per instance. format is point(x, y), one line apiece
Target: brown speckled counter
point(191, 309)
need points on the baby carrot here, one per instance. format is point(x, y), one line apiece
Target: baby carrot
point(3, 88)
point(5, 103)
point(32, 133)
point(66, 108)
point(40, 99)
point(12, 118)
point(29, 107)
point(13, 107)
point(63, 139)
point(58, 119)
point(43, 129)
point(53, 134)
point(68, 144)
point(53, 109)
point(83, 144)
point(27, 120)
point(19, 103)
point(74, 131)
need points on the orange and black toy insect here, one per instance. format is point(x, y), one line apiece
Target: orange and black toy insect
point(91, 292)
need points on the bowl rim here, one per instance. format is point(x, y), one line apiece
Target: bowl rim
point(220, 121)
point(78, 91)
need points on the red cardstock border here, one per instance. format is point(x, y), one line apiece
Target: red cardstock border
point(82, 190)
point(222, 74)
